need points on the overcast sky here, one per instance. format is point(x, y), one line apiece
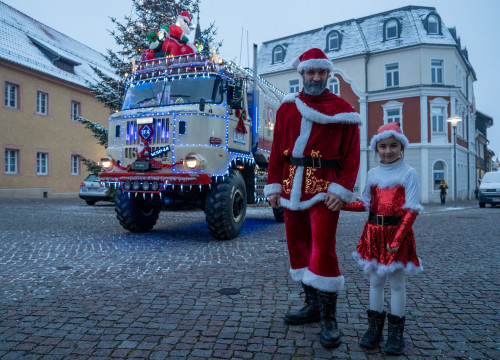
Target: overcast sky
point(476, 22)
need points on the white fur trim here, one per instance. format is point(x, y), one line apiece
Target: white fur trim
point(313, 64)
point(302, 205)
point(297, 274)
point(323, 283)
point(272, 189)
point(346, 195)
point(381, 269)
point(317, 117)
point(290, 98)
point(387, 134)
point(415, 207)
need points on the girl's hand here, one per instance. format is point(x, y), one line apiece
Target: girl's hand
point(392, 250)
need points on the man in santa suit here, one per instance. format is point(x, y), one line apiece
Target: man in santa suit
point(312, 171)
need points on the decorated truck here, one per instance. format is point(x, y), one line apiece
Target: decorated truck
point(193, 130)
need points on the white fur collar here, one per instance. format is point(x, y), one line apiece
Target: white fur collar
point(318, 117)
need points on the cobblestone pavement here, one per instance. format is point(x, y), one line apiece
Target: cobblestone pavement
point(75, 285)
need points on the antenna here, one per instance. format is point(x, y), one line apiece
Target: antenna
point(241, 44)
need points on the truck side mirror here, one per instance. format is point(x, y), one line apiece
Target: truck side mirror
point(202, 104)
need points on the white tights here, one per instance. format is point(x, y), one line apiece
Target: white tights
point(398, 292)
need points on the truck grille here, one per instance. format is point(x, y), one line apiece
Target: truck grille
point(161, 132)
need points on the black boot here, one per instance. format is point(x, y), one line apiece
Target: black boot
point(329, 336)
point(310, 311)
point(395, 342)
point(373, 335)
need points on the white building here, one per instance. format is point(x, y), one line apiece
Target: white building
point(401, 65)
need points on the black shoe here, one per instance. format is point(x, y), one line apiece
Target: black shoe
point(373, 335)
point(395, 342)
point(329, 336)
point(310, 311)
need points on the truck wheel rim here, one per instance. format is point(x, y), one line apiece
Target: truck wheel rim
point(237, 206)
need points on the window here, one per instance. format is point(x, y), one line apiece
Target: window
point(294, 86)
point(438, 174)
point(437, 119)
point(391, 29)
point(458, 77)
point(278, 54)
point(75, 165)
point(437, 71)
point(75, 110)
point(432, 24)
point(118, 131)
point(392, 75)
point(393, 112)
point(42, 163)
point(333, 41)
point(11, 161)
point(394, 115)
point(334, 86)
point(41, 103)
point(11, 95)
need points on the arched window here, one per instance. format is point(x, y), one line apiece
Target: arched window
point(334, 86)
point(278, 54)
point(392, 29)
point(438, 174)
point(333, 41)
point(432, 24)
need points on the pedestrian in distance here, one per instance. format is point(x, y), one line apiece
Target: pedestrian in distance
point(312, 171)
point(443, 187)
point(386, 249)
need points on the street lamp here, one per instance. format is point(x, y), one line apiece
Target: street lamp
point(454, 121)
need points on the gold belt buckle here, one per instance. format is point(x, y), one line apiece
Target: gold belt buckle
point(380, 220)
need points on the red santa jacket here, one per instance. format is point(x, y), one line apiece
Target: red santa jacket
point(323, 126)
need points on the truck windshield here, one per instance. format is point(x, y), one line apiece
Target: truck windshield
point(188, 90)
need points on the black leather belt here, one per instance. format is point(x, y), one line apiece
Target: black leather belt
point(382, 220)
point(313, 162)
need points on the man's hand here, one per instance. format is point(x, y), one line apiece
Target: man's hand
point(333, 202)
point(274, 200)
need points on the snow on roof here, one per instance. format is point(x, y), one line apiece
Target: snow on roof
point(358, 37)
point(29, 43)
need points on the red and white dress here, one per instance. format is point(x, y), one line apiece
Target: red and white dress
point(391, 190)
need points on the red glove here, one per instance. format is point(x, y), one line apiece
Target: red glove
point(405, 225)
point(357, 206)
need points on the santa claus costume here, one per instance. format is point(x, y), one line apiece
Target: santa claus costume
point(391, 195)
point(315, 150)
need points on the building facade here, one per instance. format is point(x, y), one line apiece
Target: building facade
point(44, 81)
point(484, 156)
point(402, 65)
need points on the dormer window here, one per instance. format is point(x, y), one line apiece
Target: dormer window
point(432, 24)
point(392, 29)
point(57, 59)
point(333, 41)
point(278, 54)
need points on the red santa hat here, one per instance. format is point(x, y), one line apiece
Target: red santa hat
point(185, 15)
point(312, 59)
point(388, 130)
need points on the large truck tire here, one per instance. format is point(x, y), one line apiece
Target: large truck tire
point(226, 206)
point(279, 215)
point(136, 214)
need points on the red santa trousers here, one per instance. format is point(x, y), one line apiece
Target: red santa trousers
point(311, 244)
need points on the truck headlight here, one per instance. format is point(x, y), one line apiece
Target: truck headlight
point(192, 162)
point(127, 185)
point(106, 163)
point(136, 185)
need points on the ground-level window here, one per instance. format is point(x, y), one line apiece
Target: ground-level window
point(75, 110)
point(42, 163)
point(11, 161)
point(41, 102)
point(438, 174)
point(11, 95)
point(294, 86)
point(75, 164)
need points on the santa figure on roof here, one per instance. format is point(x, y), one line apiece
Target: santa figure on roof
point(176, 38)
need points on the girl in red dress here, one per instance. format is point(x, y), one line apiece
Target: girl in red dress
point(386, 249)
